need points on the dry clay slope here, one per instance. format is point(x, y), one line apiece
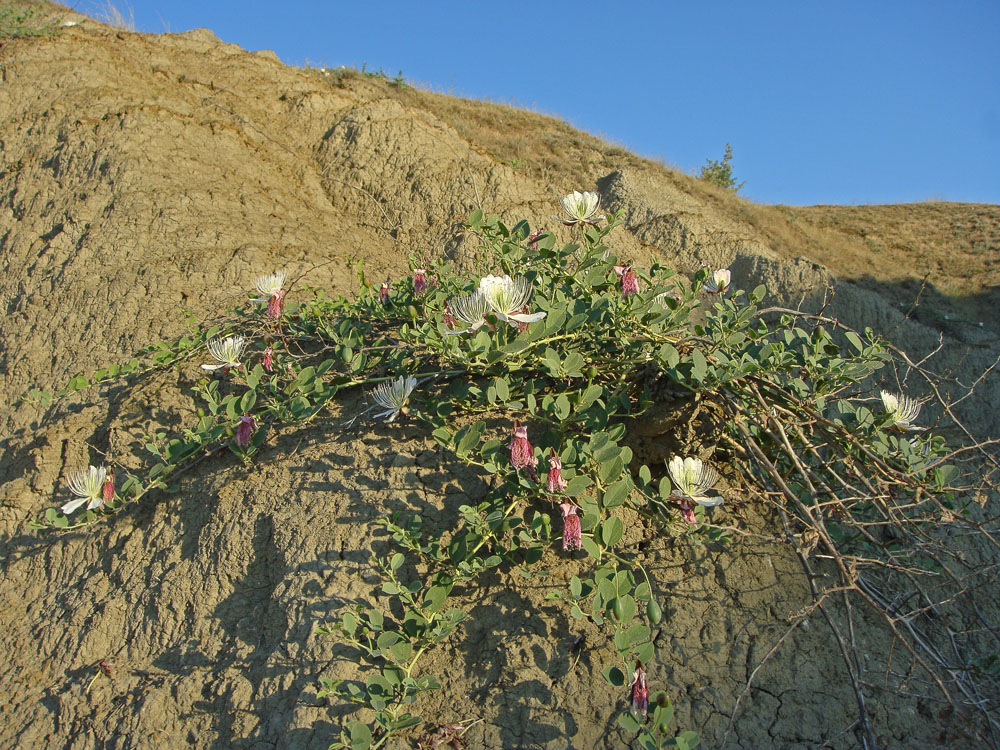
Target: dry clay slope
point(144, 175)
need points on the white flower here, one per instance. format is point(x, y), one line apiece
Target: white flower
point(393, 396)
point(902, 411)
point(581, 208)
point(470, 310)
point(718, 282)
point(228, 351)
point(88, 486)
point(269, 286)
point(692, 479)
point(506, 297)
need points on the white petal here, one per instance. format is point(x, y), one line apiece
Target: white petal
point(72, 505)
point(708, 502)
point(211, 367)
point(97, 502)
point(526, 317)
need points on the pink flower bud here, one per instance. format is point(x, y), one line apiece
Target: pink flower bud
point(687, 511)
point(419, 281)
point(275, 304)
point(640, 693)
point(533, 239)
point(630, 282)
point(268, 358)
point(383, 294)
point(572, 532)
point(522, 455)
point(554, 482)
point(244, 430)
point(108, 490)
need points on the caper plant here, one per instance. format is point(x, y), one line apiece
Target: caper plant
point(532, 371)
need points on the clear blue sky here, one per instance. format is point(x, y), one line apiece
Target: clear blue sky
point(824, 102)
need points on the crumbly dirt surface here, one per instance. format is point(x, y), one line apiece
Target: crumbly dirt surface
point(148, 177)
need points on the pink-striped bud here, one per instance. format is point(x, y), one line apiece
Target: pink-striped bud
point(687, 511)
point(268, 362)
point(275, 304)
point(522, 455)
point(108, 490)
point(554, 482)
point(572, 532)
point(533, 239)
point(640, 693)
point(383, 294)
point(419, 281)
point(244, 430)
point(630, 282)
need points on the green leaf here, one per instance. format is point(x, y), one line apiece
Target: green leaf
point(502, 389)
point(597, 441)
point(699, 366)
point(638, 632)
point(611, 470)
point(572, 364)
point(435, 598)
point(248, 401)
point(577, 484)
point(855, 341)
point(611, 531)
point(388, 639)
point(359, 735)
point(443, 435)
point(644, 651)
point(575, 586)
point(590, 547)
point(615, 494)
point(305, 379)
point(553, 362)
point(254, 376)
point(945, 475)
point(562, 407)
point(470, 437)
point(232, 407)
point(628, 722)
point(401, 652)
point(614, 676)
point(589, 396)
point(669, 354)
point(665, 487)
point(645, 476)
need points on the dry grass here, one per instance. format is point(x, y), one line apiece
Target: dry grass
point(891, 248)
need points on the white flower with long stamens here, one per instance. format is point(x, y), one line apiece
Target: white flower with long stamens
point(393, 395)
point(718, 282)
point(692, 479)
point(268, 286)
point(227, 351)
point(88, 486)
point(506, 297)
point(469, 310)
point(581, 208)
point(274, 295)
point(902, 410)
